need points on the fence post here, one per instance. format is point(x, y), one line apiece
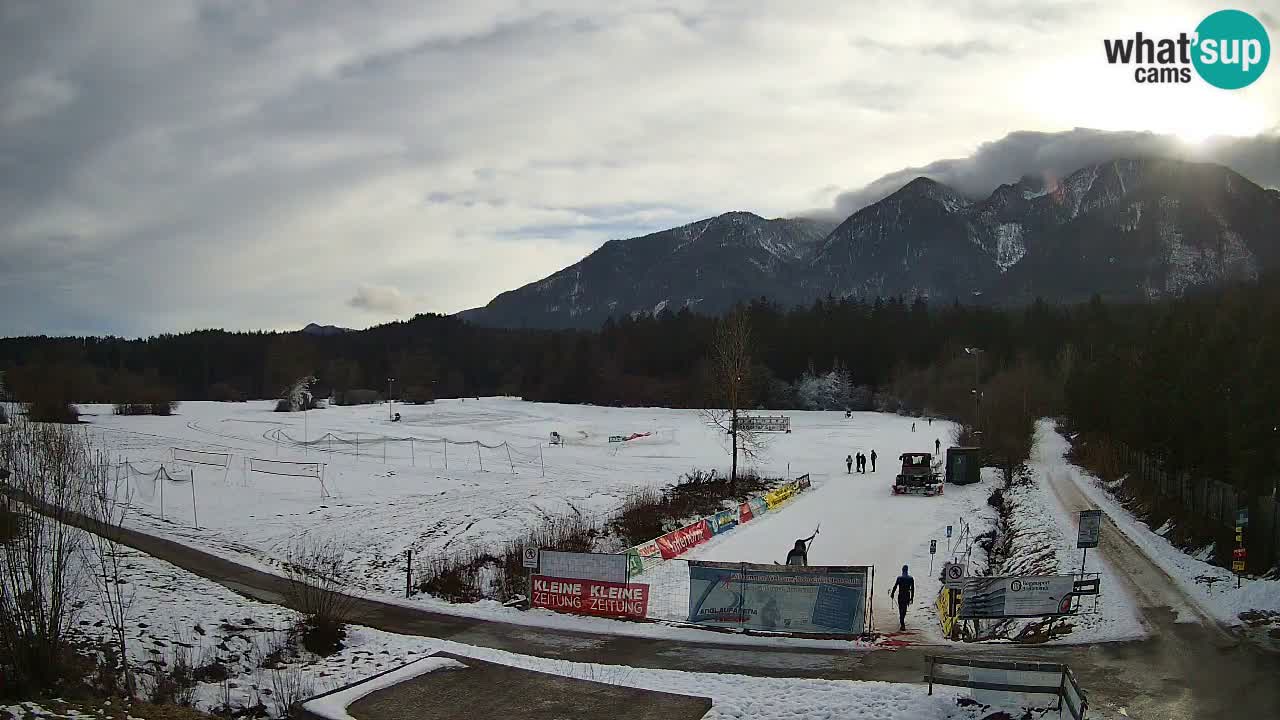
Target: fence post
point(1062, 687)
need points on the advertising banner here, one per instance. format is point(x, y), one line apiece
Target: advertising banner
point(778, 598)
point(676, 542)
point(1032, 596)
point(590, 597)
point(779, 496)
point(744, 513)
point(723, 521)
point(758, 506)
point(606, 567)
point(948, 602)
point(802, 482)
point(643, 557)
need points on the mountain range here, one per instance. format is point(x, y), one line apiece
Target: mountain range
point(1131, 229)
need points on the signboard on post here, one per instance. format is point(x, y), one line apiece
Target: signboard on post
point(933, 547)
point(948, 532)
point(1242, 517)
point(1031, 596)
point(590, 597)
point(779, 598)
point(1090, 529)
point(530, 557)
point(604, 567)
point(953, 575)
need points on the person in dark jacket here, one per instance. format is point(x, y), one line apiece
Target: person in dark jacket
point(848, 463)
point(799, 554)
point(873, 461)
point(905, 588)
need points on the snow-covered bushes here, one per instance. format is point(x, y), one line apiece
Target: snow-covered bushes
point(297, 396)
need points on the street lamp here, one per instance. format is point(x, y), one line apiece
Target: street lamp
point(977, 396)
point(389, 401)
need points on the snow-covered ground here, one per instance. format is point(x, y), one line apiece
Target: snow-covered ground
point(215, 625)
point(1212, 588)
point(380, 508)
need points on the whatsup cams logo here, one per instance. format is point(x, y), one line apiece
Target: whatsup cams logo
point(1229, 50)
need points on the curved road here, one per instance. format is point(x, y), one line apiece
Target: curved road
point(1184, 670)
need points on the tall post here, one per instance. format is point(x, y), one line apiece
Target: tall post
point(480, 459)
point(304, 427)
point(509, 462)
point(412, 459)
point(446, 453)
point(195, 517)
point(541, 464)
point(408, 572)
point(390, 415)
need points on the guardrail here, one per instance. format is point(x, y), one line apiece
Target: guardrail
point(1061, 682)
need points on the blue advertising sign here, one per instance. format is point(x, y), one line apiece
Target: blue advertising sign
point(779, 598)
point(724, 520)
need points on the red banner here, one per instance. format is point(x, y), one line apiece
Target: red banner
point(590, 597)
point(744, 513)
point(674, 543)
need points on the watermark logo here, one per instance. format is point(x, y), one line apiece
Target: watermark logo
point(1229, 49)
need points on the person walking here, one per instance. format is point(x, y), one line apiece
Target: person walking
point(873, 461)
point(862, 463)
point(848, 464)
point(905, 588)
point(937, 446)
point(913, 426)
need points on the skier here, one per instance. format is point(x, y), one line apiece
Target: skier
point(848, 463)
point(873, 461)
point(907, 585)
point(937, 446)
point(862, 463)
point(799, 554)
point(913, 426)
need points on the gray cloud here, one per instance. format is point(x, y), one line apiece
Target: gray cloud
point(172, 164)
point(381, 299)
point(1021, 154)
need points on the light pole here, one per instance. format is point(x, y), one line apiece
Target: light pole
point(389, 401)
point(977, 406)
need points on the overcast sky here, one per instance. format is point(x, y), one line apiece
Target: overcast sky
point(177, 164)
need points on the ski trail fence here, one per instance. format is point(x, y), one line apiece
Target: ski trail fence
point(425, 452)
point(1205, 506)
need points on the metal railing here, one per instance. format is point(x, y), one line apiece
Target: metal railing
point(1059, 680)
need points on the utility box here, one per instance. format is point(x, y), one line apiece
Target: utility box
point(964, 465)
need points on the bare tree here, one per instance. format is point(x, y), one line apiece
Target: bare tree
point(106, 503)
point(40, 572)
point(730, 388)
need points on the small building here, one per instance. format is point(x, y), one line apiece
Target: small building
point(964, 465)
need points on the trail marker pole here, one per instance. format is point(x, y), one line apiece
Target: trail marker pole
point(933, 548)
point(304, 428)
point(277, 441)
point(195, 517)
point(446, 453)
point(357, 447)
point(408, 572)
point(541, 464)
point(160, 481)
point(478, 456)
point(412, 460)
point(509, 462)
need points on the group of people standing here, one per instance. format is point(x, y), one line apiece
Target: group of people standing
point(861, 461)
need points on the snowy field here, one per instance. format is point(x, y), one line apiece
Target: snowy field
point(381, 498)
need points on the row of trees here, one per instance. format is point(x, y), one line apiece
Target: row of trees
point(1186, 380)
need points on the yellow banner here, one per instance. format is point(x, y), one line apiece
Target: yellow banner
point(779, 496)
point(945, 604)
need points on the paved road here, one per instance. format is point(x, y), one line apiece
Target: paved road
point(1185, 670)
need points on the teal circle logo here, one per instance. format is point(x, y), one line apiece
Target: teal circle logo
point(1232, 49)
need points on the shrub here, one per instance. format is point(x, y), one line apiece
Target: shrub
point(317, 571)
point(417, 395)
point(50, 410)
point(225, 392)
point(358, 396)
